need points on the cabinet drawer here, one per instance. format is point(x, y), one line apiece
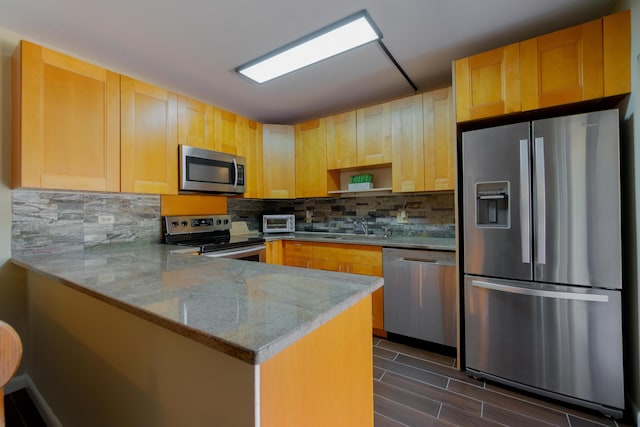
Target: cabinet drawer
point(298, 249)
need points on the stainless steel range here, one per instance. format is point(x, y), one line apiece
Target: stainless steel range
point(210, 235)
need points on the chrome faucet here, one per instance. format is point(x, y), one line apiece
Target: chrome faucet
point(363, 224)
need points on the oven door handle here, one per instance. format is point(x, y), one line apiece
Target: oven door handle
point(231, 252)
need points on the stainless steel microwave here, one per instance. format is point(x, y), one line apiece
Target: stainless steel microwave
point(211, 171)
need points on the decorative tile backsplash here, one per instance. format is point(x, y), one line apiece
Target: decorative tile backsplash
point(63, 221)
point(430, 215)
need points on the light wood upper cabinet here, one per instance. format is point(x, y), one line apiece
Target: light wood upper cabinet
point(439, 140)
point(341, 141)
point(562, 67)
point(225, 130)
point(616, 48)
point(66, 122)
point(374, 134)
point(311, 158)
point(584, 62)
point(195, 123)
point(278, 151)
point(407, 136)
point(250, 133)
point(488, 84)
point(149, 138)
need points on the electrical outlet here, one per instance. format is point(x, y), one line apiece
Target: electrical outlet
point(308, 216)
point(106, 219)
point(402, 217)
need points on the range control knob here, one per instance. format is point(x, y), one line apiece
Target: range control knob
point(174, 224)
point(218, 221)
point(185, 223)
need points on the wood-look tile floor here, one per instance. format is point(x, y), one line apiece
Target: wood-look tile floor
point(415, 387)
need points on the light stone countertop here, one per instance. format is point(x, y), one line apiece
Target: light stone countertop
point(406, 242)
point(248, 310)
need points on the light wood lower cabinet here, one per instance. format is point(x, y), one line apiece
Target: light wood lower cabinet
point(66, 122)
point(274, 252)
point(344, 258)
point(149, 138)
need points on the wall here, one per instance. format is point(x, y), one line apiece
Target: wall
point(12, 278)
point(428, 214)
point(630, 140)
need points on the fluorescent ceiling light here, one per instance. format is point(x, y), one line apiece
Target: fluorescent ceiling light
point(346, 34)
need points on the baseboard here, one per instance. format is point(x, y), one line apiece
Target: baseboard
point(45, 411)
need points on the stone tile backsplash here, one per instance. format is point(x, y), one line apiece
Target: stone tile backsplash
point(430, 215)
point(63, 221)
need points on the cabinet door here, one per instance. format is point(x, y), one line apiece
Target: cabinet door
point(488, 84)
point(439, 140)
point(341, 141)
point(195, 123)
point(311, 155)
point(297, 254)
point(562, 67)
point(407, 142)
point(278, 153)
point(66, 122)
point(149, 138)
point(274, 252)
point(250, 148)
point(225, 133)
point(616, 39)
point(374, 134)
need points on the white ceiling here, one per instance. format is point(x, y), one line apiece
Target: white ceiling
point(193, 46)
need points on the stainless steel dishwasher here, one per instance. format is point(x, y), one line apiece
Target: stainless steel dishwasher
point(420, 294)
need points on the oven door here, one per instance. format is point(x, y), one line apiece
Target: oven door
point(256, 253)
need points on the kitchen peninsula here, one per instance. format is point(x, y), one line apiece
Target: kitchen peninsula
point(139, 335)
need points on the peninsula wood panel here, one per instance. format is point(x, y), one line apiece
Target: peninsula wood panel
point(439, 140)
point(374, 134)
point(66, 116)
point(278, 151)
point(407, 135)
point(562, 67)
point(324, 379)
point(341, 141)
point(195, 123)
point(488, 84)
point(225, 131)
point(250, 148)
point(616, 39)
point(311, 158)
point(149, 138)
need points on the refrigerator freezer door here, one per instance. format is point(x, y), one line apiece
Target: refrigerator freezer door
point(496, 191)
point(577, 235)
point(562, 341)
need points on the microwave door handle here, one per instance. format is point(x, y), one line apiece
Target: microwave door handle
point(235, 170)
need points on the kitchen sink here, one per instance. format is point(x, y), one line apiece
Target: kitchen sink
point(355, 237)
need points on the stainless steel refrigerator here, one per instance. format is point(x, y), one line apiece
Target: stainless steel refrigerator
point(542, 257)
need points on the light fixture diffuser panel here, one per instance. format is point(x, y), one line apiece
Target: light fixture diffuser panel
point(352, 32)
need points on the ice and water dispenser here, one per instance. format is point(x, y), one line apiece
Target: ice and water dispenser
point(492, 204)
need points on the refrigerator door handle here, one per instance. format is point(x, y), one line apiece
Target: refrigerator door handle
point(540, 292)
point(541, 209)
point(525, 209)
